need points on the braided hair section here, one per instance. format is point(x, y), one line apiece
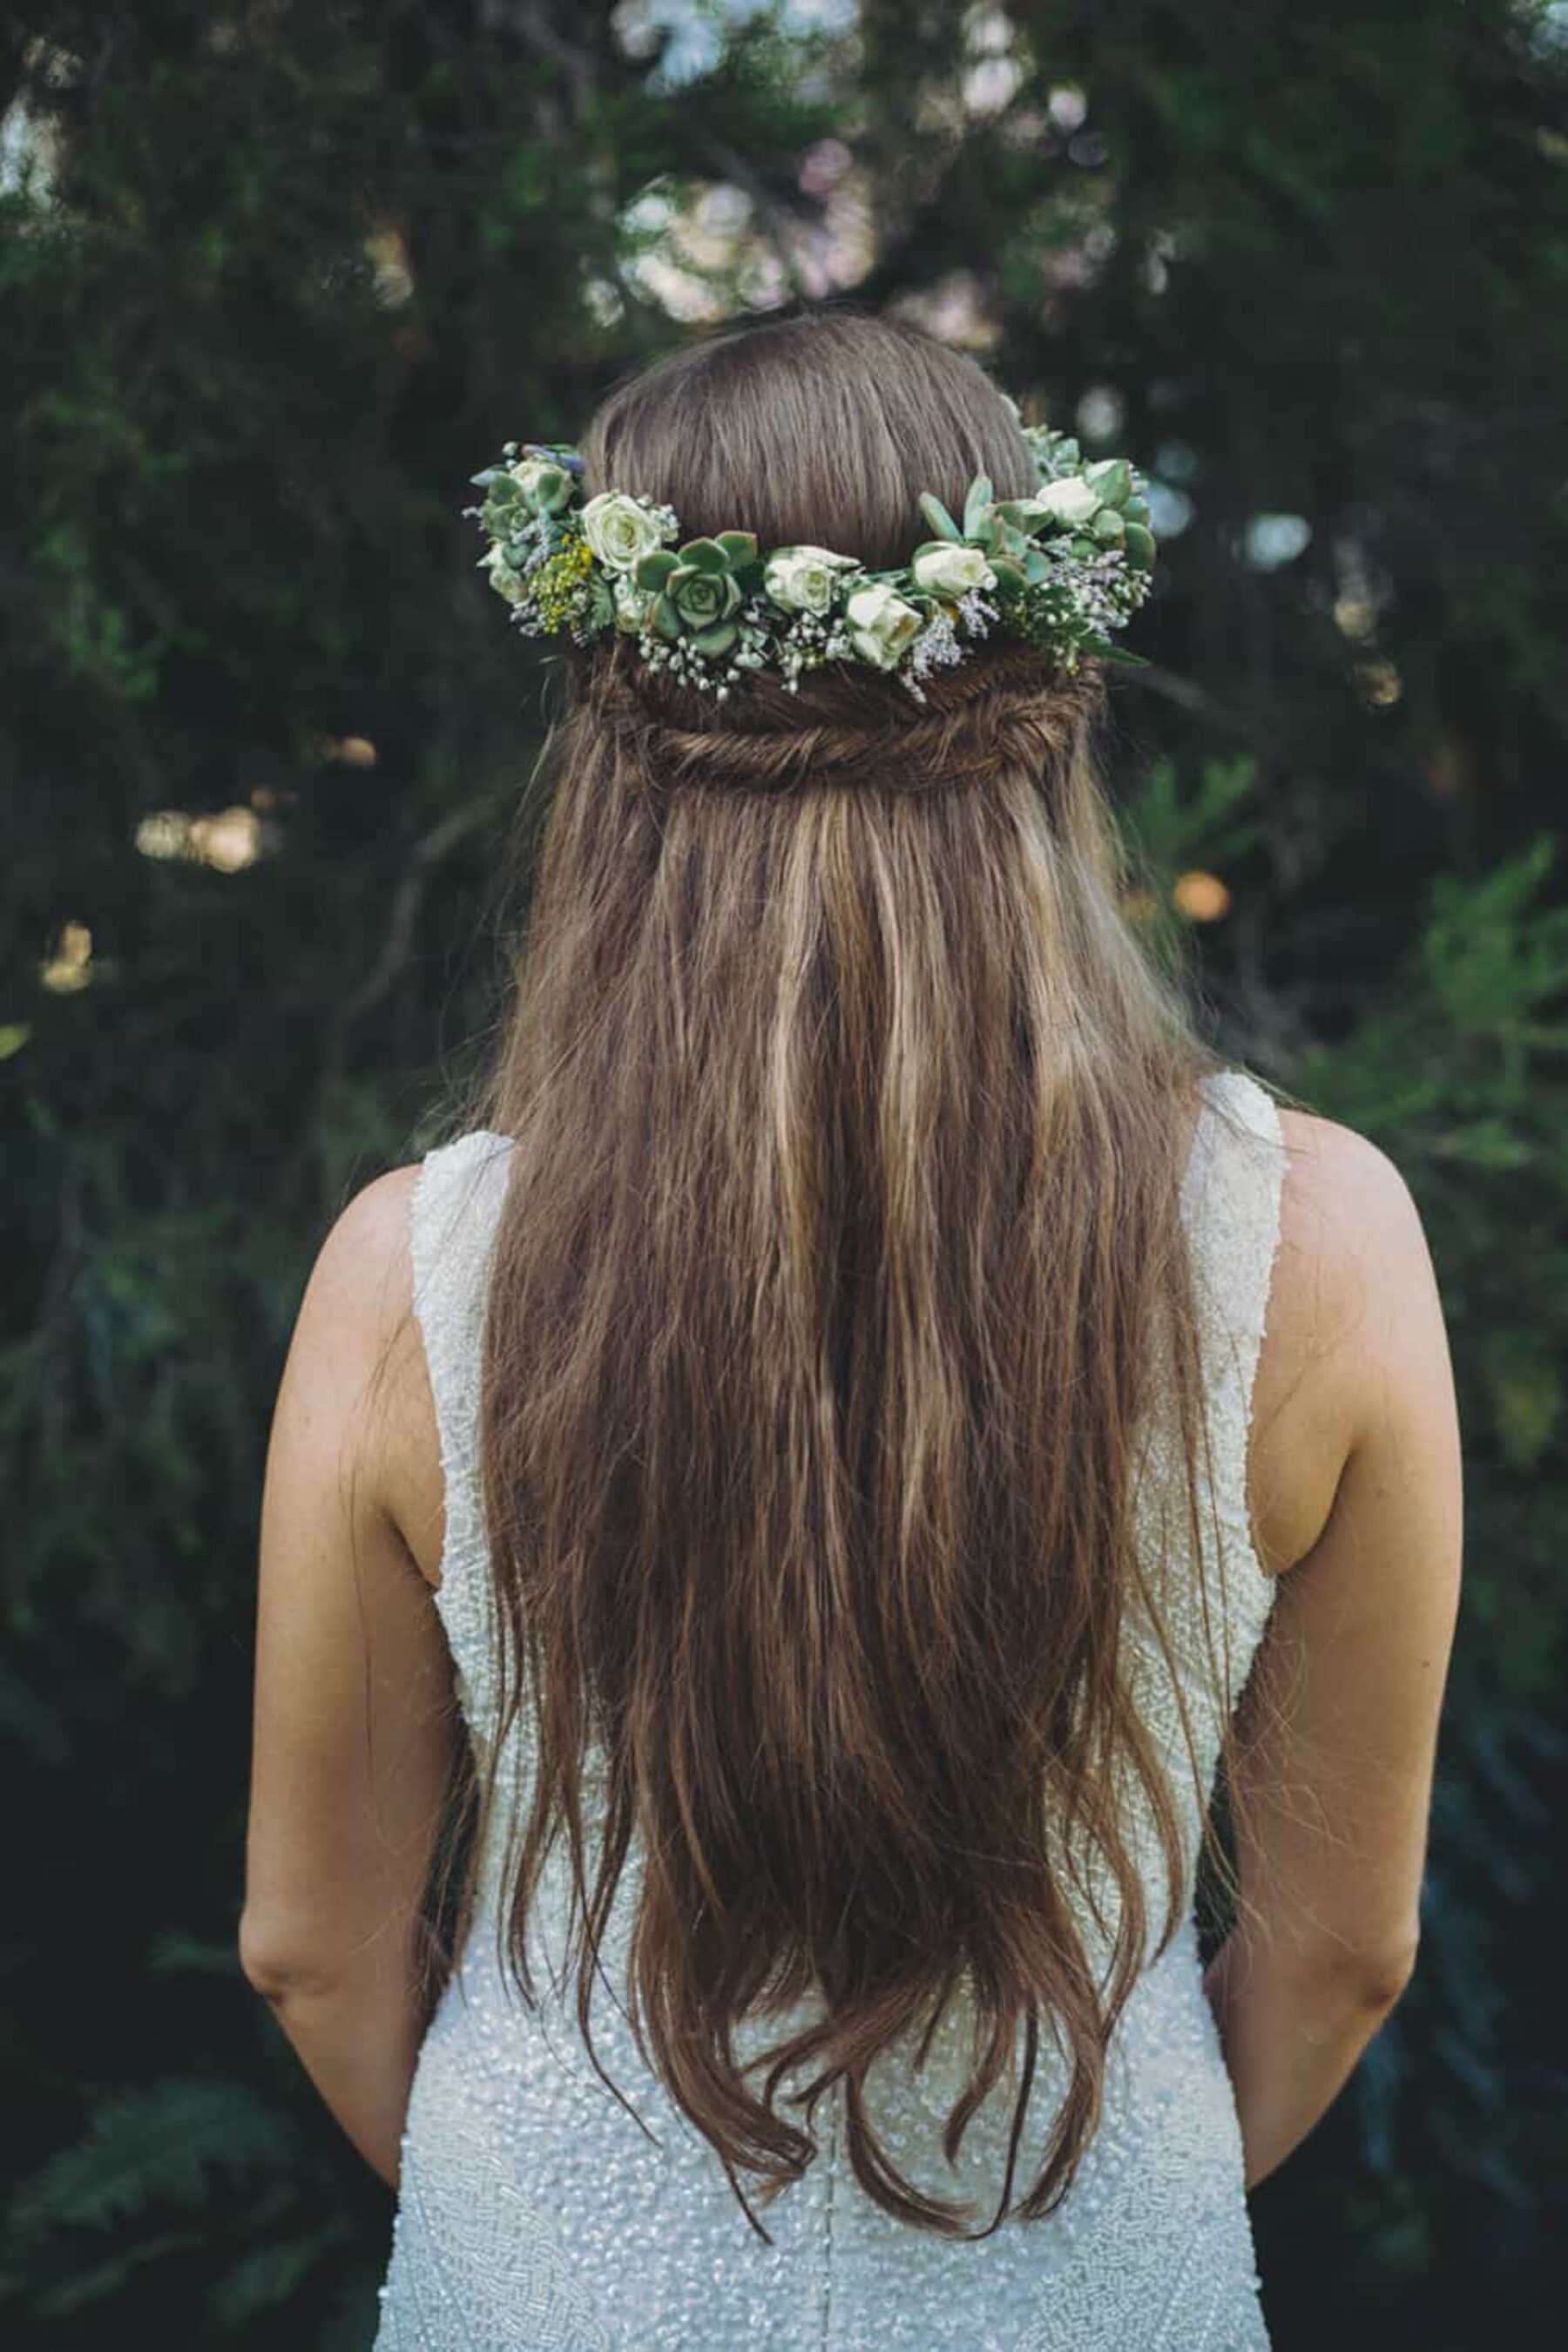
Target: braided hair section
point(1016, 707)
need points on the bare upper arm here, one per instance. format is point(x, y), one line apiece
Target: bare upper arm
point(354, 1727)
point(1340, 1725)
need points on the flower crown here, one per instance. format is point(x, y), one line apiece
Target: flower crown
point(1058, 570)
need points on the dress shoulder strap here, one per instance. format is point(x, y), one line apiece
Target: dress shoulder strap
point(454, 1218)
point(1231, 1199)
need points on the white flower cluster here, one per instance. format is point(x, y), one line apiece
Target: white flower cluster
point(1059, 569)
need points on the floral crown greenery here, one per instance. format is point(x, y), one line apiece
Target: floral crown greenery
point(1056, 571)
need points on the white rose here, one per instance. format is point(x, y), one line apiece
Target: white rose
point(1071, 500)
point(619, 531)
point(951, 571)
point(881, 625)
point(503, 579)
point(633, 605)
point(804, 579)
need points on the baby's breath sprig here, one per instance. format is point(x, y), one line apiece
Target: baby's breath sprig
point(1060, 569)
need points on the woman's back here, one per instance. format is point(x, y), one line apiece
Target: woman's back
point(533, 2207)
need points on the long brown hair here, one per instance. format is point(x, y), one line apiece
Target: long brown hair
point(850, 1115)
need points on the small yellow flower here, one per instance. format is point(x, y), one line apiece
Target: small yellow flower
point(555, 589)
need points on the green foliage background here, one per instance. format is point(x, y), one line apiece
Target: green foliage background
point(274, 279)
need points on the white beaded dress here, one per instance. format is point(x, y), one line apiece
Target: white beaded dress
point(536, 2215)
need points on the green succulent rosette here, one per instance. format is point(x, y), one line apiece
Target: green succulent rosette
point(697, 591)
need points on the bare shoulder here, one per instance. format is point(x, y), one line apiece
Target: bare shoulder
point(1355, 1325)
point(1351, 1238)
point(365, 1256)
point(1339, 1181)
point(359, 1301)
point(361, 1347)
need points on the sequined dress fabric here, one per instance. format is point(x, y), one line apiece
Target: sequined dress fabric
point(536, 2215)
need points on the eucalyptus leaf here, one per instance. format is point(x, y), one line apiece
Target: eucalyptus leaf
point(976, 503)
point(937, 515)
